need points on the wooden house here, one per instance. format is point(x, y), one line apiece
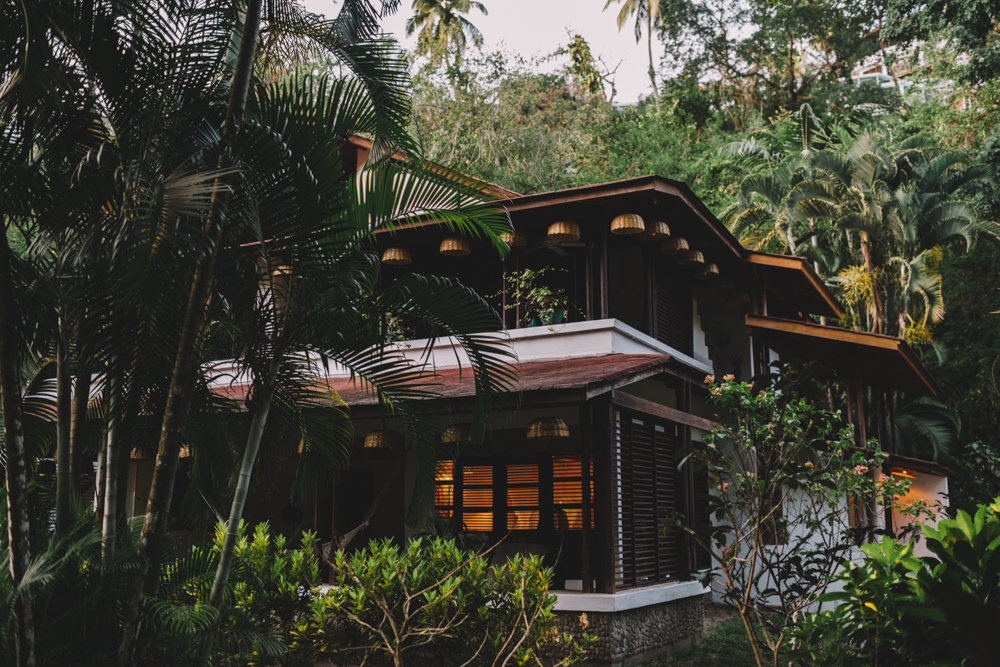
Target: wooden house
point(659, 295)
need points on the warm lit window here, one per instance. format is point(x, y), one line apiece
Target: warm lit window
point(444, 489)
point(522, 497)
point(567, 492)
point(477, 497)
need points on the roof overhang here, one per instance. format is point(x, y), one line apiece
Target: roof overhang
point(643, 185)
point(881, 360)
point(797, 279)
point(575, 379)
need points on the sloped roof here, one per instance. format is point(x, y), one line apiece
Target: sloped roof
point(882, 360)
point(795, 277)
point(590, 376)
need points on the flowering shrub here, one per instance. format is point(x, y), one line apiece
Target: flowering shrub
point(789, 497)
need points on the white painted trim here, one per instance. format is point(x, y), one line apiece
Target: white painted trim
point(633, 599)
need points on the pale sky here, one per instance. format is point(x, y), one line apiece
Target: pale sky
point(539, 27)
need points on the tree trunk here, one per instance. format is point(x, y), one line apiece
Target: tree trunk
point(64, 479)
point(78, 424)
point(109, 525)
point(186, 359)
point(876, 305)
point(18, 522)
point(240, 495)
point(649, 49)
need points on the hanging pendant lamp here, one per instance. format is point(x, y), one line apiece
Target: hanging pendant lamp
point(693, 258)
point(678, 245)
point(710, 272)
point(455, 247)
point(657, 231)
point(628, 224)
point(563, 232)
point(397, 257)
point(514, 239)
point(548, 427)
point(455, 434)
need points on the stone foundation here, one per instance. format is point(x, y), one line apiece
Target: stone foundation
point(629, 636)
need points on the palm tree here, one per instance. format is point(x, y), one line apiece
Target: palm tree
point(646, 13)
point(876, 214)
point(319, 278)
point(442, 25)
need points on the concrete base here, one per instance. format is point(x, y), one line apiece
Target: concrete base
point(634, 635)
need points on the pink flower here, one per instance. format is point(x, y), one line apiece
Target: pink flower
point(809, 464)
point(725, 486)
point(709, 379)
point(883, 478)
point(860, 470)
point(770, 427)
point(728, 377)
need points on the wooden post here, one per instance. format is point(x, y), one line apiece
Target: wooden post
point(605, 493)
point(689, 561)
point(604, 274)
point(587, 436)
point(588, 271)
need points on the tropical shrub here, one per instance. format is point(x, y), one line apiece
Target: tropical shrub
point(431, 598)
point(270, 588)
point(895, 608)
point(789, 497)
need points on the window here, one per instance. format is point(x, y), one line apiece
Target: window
point(567, 492)
point(509, 496)
point(444, 489)
point(477, 498)
point(522, 497)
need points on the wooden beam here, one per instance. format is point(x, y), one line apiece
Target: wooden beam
point(631, 402)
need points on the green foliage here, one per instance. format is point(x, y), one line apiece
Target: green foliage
point(431, 598)
point(270, 588)
point(782, 476)
point(895, 608)
point(538, 302)
point(725, 644)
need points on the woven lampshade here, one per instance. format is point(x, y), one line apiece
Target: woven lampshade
point(379, 439)
point(397, 257)
point(514, 239)
point(678, 245)
point(564, 231)
point(548, 427)
point(455, 434)
point(185, 452)
point(710, 272)
point(455, 247)
point(693, 258)
point(628, 224)
point(656, 231)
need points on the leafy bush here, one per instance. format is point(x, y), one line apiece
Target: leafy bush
point(896, 608)
point(271, 587)
point(431, 598)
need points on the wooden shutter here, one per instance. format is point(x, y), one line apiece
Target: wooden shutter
point(646, 493)
point(673, 307)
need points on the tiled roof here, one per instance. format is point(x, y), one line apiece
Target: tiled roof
point(589, 375)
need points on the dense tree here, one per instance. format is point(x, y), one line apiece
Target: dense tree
point(768, 56)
